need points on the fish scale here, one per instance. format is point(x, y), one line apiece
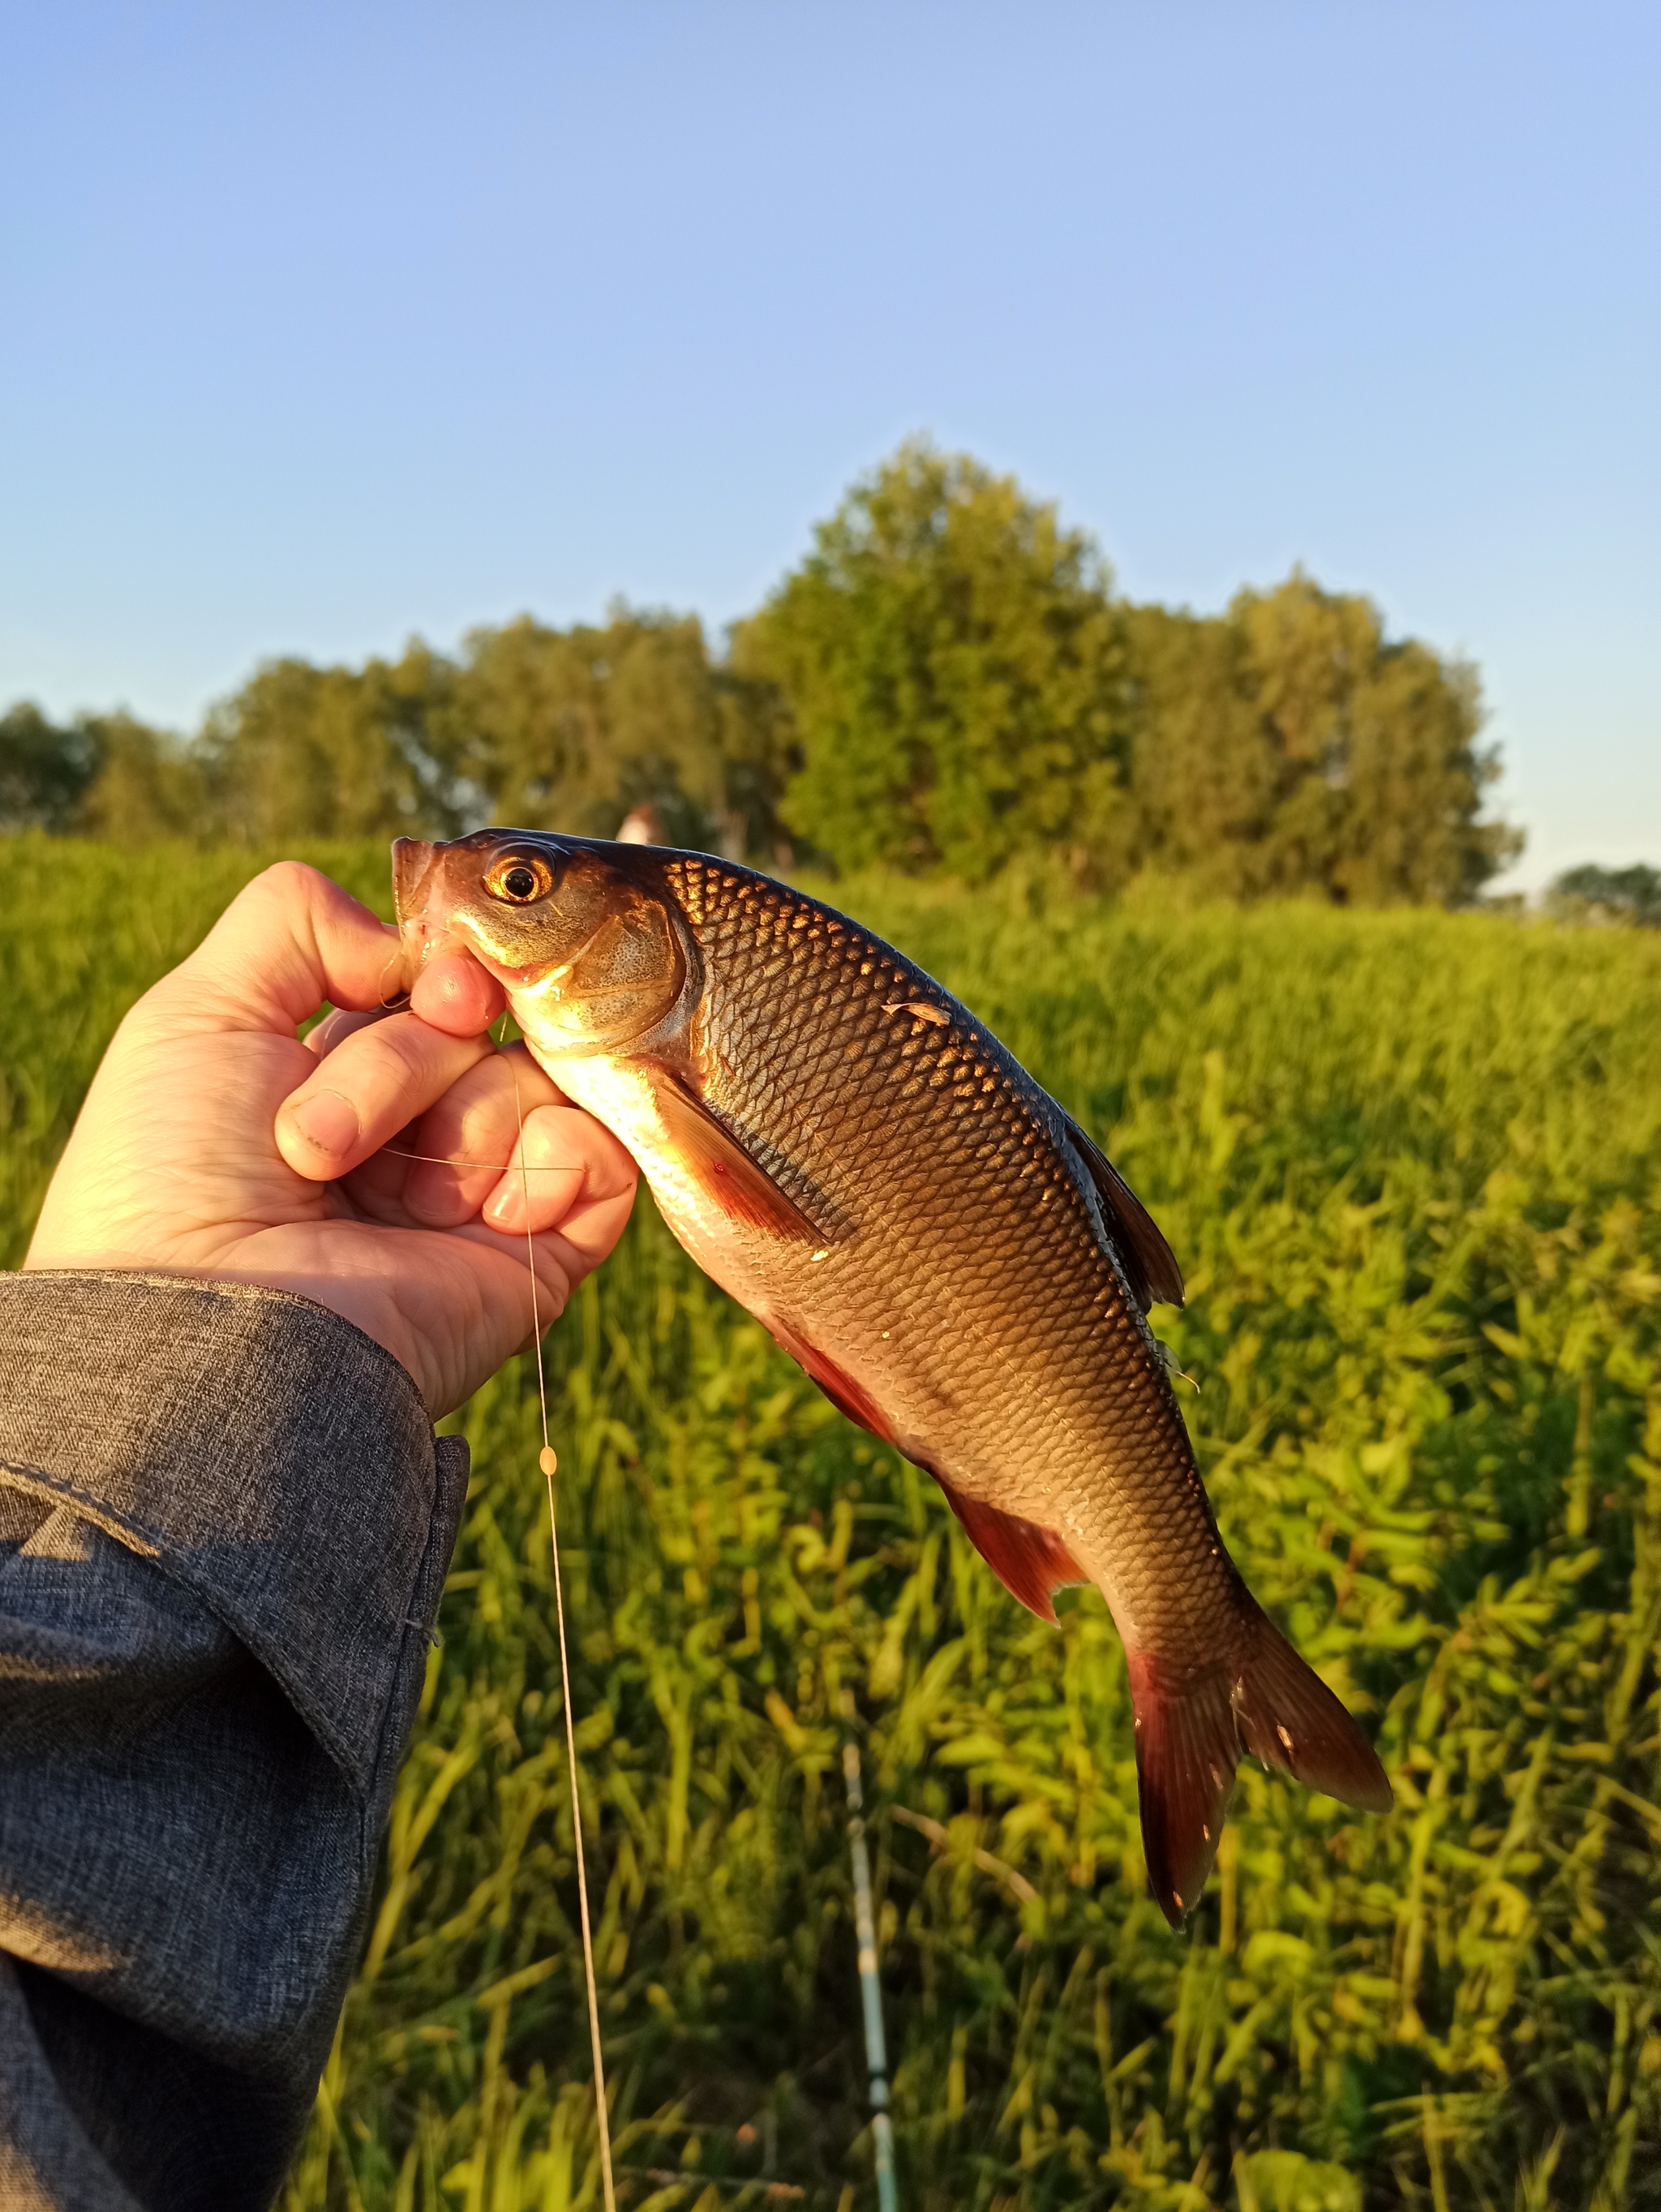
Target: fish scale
point(844, 1148)
point(1088, 1435)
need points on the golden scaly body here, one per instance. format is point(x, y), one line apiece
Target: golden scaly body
point(968, 1284)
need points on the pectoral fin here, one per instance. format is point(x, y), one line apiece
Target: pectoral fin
point(743, 1191)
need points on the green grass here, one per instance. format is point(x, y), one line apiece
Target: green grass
point(1411, 1163)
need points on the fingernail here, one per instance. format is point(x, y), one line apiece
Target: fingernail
point(327, 1121)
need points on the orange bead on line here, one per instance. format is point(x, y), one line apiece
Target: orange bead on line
point(548, 1460)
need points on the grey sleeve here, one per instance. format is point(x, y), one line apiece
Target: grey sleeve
point(225, 1528)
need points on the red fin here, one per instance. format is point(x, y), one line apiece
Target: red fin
point(743, 1191)
point(1028, 1560)
point(1186, 1753)
point(1147, 1259)
point(846, 1395)
point(1190, 1732)
point(1288, 1718)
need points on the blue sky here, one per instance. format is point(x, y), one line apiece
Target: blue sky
point(323, 324)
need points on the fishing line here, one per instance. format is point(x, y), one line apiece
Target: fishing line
point(548, 1462)
point(451, 1160)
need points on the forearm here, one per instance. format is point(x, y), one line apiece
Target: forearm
point(228, 1528)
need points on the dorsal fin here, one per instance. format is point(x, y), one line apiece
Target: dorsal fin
point(1147, 1259)
point(743, 1191)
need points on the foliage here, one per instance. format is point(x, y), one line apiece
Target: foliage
point(945, 684)
point(950, 659)
point(1596, 894)
point(572, 729)
point(1411, 1162)
point(147, 784)
point(1287, 744)
point(100, 775)
point(43, 769)
point(964, 690)
point(527, 724)
point(302, 752)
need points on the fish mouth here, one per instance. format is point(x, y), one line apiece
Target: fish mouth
point(423, 919)
point(413, 863)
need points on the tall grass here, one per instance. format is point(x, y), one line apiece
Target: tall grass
point(1411, 1163)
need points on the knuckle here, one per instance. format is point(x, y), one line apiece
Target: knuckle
point(415, 1056)
point(288, 880)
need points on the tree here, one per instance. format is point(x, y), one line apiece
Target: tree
point(149, 784)
point(99, 776)
point(574, 729)
point(1200, 789)
point(302, 752)
point(759, 755)
point(569, 729)
point(945, 683)
point(44, 769)
point(1289, 744)
point(951, 662)
point(1592, 893)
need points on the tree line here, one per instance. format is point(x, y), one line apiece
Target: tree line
point(947, 682)
point(1594, 894)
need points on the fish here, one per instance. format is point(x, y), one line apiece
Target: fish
point(850, 1153)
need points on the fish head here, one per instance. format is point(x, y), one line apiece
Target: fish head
point(587, 946)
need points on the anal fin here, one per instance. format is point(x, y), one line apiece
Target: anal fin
point(1032, 1562)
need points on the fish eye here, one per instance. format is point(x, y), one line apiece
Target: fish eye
point(520, 879)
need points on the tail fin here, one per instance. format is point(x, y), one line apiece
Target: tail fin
point(1190, 1735)
point(1289, 1718)
point(1187, 1749)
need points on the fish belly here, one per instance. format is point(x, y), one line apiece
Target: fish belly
point(621, 1096)
point(1023, 1408)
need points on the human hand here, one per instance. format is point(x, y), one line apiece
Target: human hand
point(216, 1142)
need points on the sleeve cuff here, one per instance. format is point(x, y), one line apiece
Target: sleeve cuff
point(271, 1457)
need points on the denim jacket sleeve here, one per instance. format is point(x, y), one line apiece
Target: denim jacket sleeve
point(225, 1528)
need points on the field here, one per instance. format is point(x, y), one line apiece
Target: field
point(1411, 1163)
